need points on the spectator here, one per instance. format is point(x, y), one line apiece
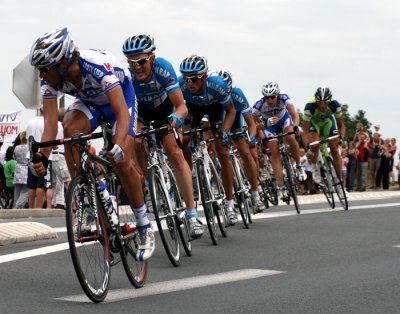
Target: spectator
point(2, 153)
point(21, 171)
point(393, 152)
point(359, 130)
point(9, 169)
point(362, 162)
point(345, 163)
point(374, 158)
point(352, 153)
point(398, 172)
point(377, 128)
point(382, 176)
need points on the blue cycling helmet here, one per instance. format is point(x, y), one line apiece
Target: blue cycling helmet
point(138, 44)
point(50, 48)
point(323, 93)
point(193, 65)
point(227, 76)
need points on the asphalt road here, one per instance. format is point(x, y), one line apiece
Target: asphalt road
point(321, 261)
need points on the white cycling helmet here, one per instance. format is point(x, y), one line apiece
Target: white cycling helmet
point(323, 93)
point(50, 48)
point(227, 76)
point(270, 89)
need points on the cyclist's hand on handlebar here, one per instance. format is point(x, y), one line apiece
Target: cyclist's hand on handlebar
point(117, 154)
point(225, 138)
point(38, 164)
point(253, 141)
point(174, 120)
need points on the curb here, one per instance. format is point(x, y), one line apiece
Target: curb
point(18, 232)
point(31, 213)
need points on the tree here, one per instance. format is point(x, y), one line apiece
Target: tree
point(351, 122)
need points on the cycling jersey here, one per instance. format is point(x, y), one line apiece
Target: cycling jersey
point(215, 90)
point(313, 114)
point(261, 108)
point(240, 101)
point(163, 82)
point(101, 72)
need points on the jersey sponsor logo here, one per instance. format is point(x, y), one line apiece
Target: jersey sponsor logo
point(108, 66)
point(163, 72)
point(93, 70)
point(107, 85)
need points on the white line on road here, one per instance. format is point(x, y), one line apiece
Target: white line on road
point(178, 285)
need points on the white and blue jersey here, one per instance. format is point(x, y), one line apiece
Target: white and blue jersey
point(101, 72)
point(215, 90)
point(163, 82)
point(263, 110)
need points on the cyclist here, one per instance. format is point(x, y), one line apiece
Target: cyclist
point(278, 113)
point(208, 95)
point(323, 117)
point(159, 97)
point(243, 115)
point(102, 88)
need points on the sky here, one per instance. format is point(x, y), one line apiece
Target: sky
point(351, 46)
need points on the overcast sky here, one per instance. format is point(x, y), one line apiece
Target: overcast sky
point(352, 46)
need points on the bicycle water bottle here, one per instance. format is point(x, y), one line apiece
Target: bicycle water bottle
point(108, 201)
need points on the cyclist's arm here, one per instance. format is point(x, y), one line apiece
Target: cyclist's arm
point(342, 127)
point(120, 109)
point(251, 124)
point(306, 126)
point(295, 116)
point(178, 101)
point(229, 118)
point(50, 115)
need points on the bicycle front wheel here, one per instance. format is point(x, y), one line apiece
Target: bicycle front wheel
point(135, 270)
point(338, 186)
point(164, 216)
point(219, 195)
point(88, 238)
point(291, 183)
point(326, 180)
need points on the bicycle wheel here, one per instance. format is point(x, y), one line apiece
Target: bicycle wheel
point(291, 182)
point(164, 216)
point(206, 200)
point(180, 214)
point(338, 185)
point(326, 182)
point(241, 203)
point(135, 270)
point(218, 205)
point(262, 189)
point(87, 237)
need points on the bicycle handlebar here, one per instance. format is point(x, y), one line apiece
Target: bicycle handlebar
point(323, 140)
point(281, 135)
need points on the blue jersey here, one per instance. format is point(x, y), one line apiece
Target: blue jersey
point(240, 101)
point(215, 90)
point(101, 72)
point(163, 82)
point(261, 108)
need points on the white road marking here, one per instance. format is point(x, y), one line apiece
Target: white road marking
point(64, 246)
point(178, 285)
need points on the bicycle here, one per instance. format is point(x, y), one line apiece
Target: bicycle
point(168, 209)
point(290, 178)
point(267, 180)
point(91, 236)
point(331, 181)
point(209, 183)
point(241, 186)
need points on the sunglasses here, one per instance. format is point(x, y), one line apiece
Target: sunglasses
point(192, 79)
point(43, 70)
point(270, 97)
point(139, 62)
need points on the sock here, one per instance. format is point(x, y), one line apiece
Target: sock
point(254, 194)
point(141, 215)
point(229, 203)
point(191, 213)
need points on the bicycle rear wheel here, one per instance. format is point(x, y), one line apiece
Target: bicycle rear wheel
point(135, 270)
point(219, 195)
point(87, 237)
point(164, 216)
point(206, 200)
point(338, 186)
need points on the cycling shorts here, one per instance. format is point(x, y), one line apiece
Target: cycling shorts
point(325, 128)
point(215, 113)
point(278, 127)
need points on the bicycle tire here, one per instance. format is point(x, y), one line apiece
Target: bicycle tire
point(91, 262)
point(205, 199)
point(327, 183)
point(338, 186)
point(240, 203)
point(270, 184)
point(135, 270)
point(291, 182)
point(219, 208)
point(164, 217)
point(263, 192)
point(180, 215)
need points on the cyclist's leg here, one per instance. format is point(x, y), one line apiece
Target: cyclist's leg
point(249, 165)
point(140, 150)
point(334, 146)
point(275, 155)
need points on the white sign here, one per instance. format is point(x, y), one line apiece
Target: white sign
point(26, 84)
point(9, 126)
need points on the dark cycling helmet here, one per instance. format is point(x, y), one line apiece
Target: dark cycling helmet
point(323, 93)
point(270, 89)
point(50, 48)
point(138, 44)
point(193, 65)
point(227, 76)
